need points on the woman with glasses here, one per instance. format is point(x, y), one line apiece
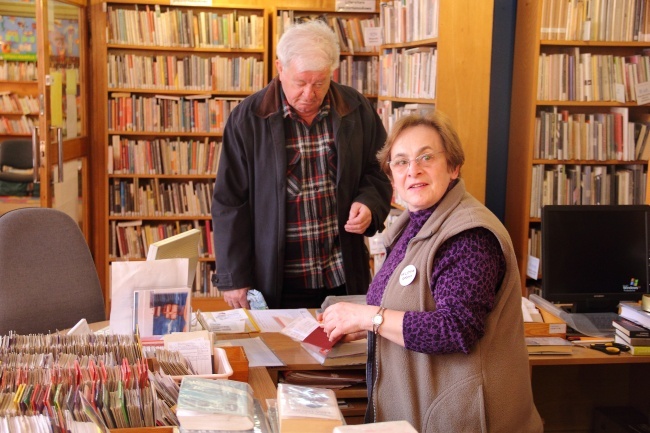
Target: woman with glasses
point(446, 349)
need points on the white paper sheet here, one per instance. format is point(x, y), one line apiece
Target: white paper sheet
point(196, 347)
point(276, 319)
point(257, 352)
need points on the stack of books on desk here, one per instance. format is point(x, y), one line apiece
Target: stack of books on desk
point(633, 328)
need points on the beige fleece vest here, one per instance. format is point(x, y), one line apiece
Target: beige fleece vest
point(488, 390)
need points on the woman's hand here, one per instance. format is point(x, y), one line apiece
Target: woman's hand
point(353, 321)
point(347, 319)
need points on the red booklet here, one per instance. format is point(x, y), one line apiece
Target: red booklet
point(318, 338)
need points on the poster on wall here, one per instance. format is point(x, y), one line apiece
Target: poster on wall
point(17, 38)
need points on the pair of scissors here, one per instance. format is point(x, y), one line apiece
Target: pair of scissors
point(610, 348)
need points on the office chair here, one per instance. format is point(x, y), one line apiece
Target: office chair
point(48, 280)
point(16, 153)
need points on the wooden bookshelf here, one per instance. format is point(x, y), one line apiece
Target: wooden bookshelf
point(536, 97)
point(462, 46)
point(19, 109)
point(166, 80)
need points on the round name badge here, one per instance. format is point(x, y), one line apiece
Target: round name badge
point(407, 275)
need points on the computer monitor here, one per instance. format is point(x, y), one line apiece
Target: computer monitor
point(593, 257)
point(182, 245)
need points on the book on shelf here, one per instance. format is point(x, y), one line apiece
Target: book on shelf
point(634, 349)
point(548, 346)
point(206, 403)
point(401, 426)
point(630, 329)
point(307, 409)
point(633, 311)
point(631, 341)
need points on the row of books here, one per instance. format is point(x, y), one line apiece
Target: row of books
point(633, 328)
point(203, 286)
point(171, 27)
point(390, 111)
point(154, 197)
point(163, 113)
point(18, 71)
point(23, 125)
point(408, 73)
point(163, 156)
point(362, 74)
point(351, 31)
point(535, 250)
point(568, 184)
point(13, 103)
point(185, 72)
point(409, 21)
point(131, 239)
point(576, 76)
point(595, 20)
point(565, 135)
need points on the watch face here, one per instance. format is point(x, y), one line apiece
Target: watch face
point(378, 319)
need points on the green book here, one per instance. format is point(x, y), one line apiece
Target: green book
point(207, 404)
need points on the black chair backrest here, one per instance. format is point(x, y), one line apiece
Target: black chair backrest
point(17, 153)
point(48, 280)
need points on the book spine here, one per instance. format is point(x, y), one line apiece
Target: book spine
point(640, 350)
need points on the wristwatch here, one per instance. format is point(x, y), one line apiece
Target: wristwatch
point(377, 320)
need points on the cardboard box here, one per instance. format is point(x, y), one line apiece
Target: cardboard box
point(552, 326)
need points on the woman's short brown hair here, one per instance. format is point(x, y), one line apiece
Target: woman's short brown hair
point(437, 121)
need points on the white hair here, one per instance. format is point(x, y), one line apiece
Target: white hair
point(310, 46)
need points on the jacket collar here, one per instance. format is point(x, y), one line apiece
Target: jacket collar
point(271, 104)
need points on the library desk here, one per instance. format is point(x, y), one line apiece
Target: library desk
point(567, 388)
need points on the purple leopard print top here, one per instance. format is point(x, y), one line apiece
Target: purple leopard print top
point(467, 271)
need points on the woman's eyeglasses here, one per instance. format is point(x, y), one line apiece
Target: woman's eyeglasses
point(425, 160)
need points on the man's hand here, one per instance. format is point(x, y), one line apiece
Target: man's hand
point(237, 298)
point(359, 219)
